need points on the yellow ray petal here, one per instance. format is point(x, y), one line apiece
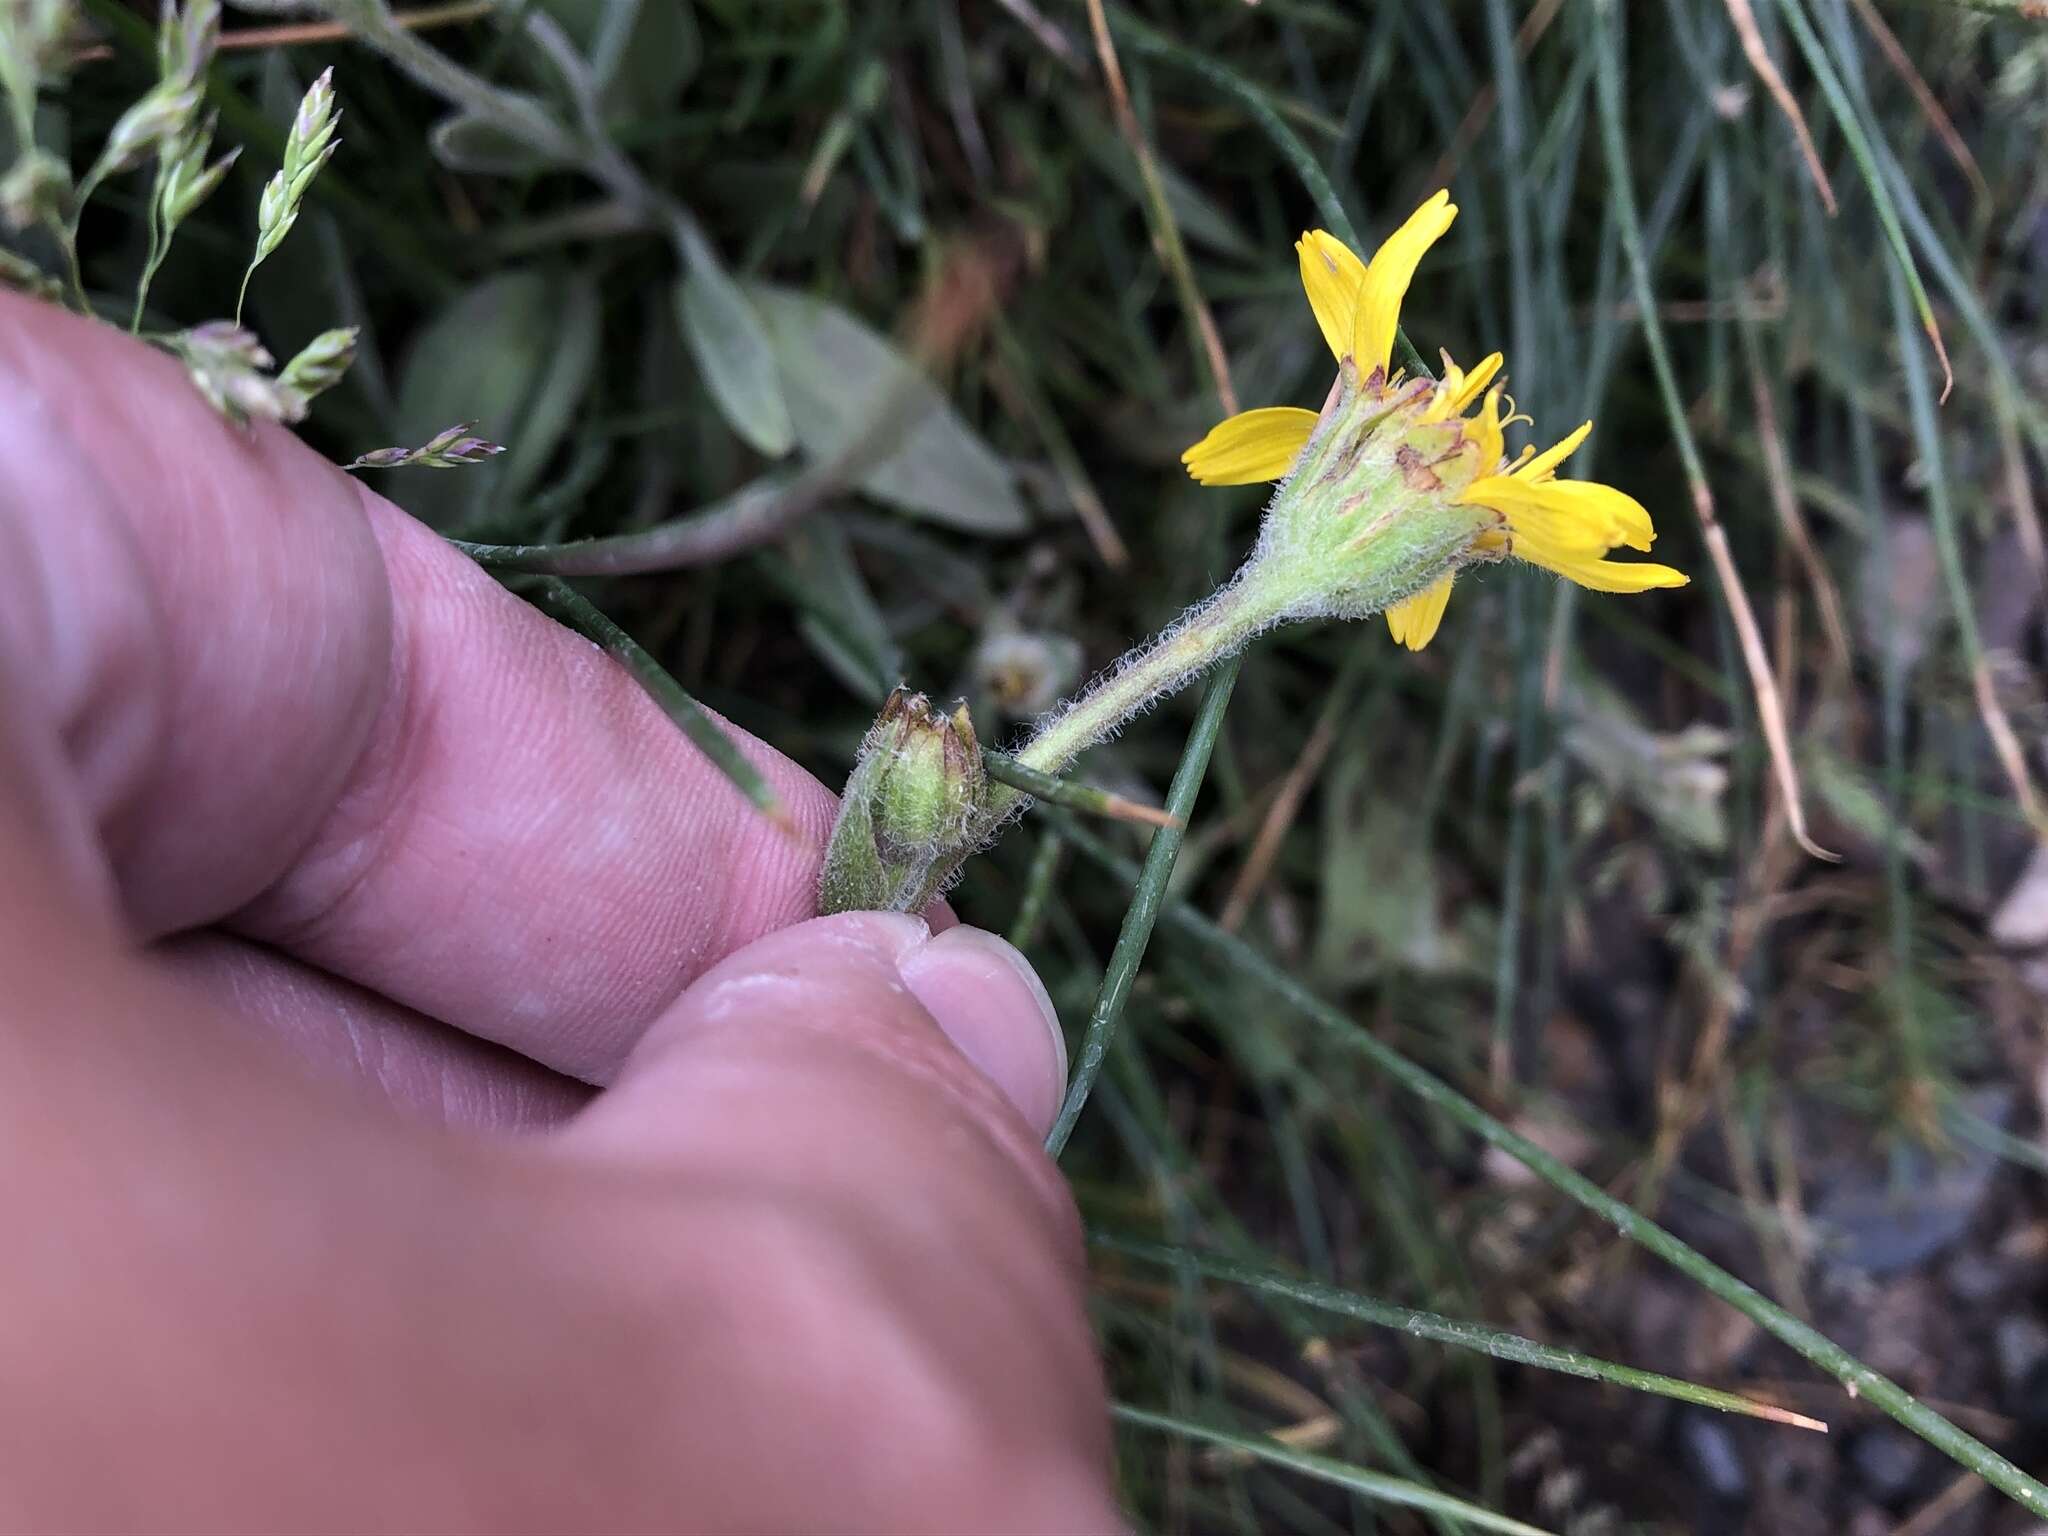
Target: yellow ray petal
point(1331, 275)
point(1484, 429)
point(1614, 575)
point(1251, 446)
point(1458, 389)
point(1582, 511)
point(1543, 465)
point(1413, 621)
point(1387, 277)
point(1551, 546)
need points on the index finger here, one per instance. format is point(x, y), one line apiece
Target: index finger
point(294, 710)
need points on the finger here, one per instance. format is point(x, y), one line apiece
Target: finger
point(817, 1022)
point(822, 1078)
point(347, 1033)
point(286, 701)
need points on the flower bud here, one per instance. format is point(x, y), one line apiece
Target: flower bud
point(320, 365)
point(449, 449)
point(911, 813)
point(36, 191)
point(230, 367)
point(164, 115)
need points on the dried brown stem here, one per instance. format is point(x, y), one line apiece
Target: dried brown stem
point(1760, 60)
point(1172, 250)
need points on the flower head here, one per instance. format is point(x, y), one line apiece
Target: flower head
point(911, 812)
point(1412, 462)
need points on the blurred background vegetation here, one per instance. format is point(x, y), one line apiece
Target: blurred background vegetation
point(694, 264)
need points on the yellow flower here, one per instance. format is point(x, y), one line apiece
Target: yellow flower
point(1565, 526)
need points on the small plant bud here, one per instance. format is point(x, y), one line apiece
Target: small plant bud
point(36, 191)
point(21, 276)
point(448, 450)
point(38, 39)
point(912, 812)
point(232, 370)
point(189, 181)
point(165, 114)
point(320, 364)
point(185, 43)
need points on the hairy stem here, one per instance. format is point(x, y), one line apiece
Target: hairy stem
point(1216, 629)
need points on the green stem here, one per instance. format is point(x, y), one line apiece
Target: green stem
point(522, 117)
point(1055, 790)
point(1215, 629)
point(159, 247)
point(1147, 897)
point(67, 236)
point(577, 611)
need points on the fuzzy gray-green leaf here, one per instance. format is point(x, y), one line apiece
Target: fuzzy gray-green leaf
point(732, 350)
point(838, 373)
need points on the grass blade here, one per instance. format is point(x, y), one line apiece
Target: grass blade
point(1371, 1485)
point(557, 597)
point(1147, 896)
point(1880, 195)
point(1456, 1332)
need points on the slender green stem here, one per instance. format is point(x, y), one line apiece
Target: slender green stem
point(1219, 626)
point(1815, 1346)
point(583, 616)
point(2016, 10)
point(521, 116)
point(1086, 798)
point(159, 247)
point(1147, 896)
point(1445, 1330)
point(1045, 864)
point(1371, 1485)
point(67, 236)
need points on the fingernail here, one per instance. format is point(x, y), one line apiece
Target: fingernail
point(992, 1006)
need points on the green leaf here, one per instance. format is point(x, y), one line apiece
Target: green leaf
point(641, 52)
point(840, 621)
point(476, 146)
point(643, 65)
point(515, 355)
point(843, 378)
point(732, 350)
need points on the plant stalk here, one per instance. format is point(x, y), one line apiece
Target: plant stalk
point(1216, 629)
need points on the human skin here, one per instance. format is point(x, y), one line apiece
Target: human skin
point(423, 1102)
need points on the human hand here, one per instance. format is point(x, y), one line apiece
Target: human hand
point(282, 775)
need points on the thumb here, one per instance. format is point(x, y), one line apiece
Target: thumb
point(850, 1116)
point(834, 1018)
